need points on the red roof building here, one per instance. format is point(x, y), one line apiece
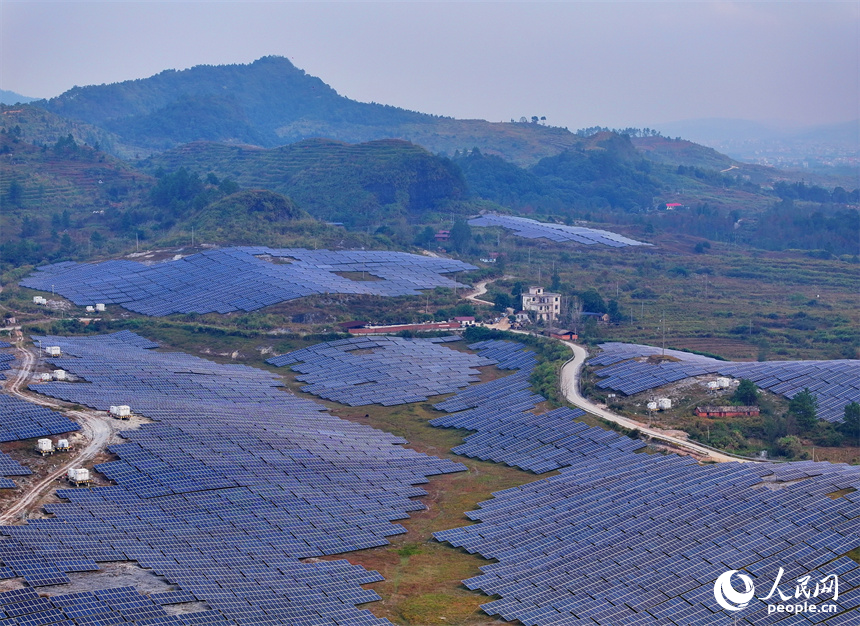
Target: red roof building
point(727, 411)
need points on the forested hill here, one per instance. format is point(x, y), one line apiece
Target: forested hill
point(269, 103)
point(357, 184)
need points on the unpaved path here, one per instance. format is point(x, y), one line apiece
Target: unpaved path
point(98, 429)
point(479, 290)
point(569, 382)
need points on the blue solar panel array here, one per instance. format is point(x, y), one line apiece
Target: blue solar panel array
point(626, 539)
point(6, 359)
point(241, 279)
point(532, 229)
point(234, 482)
point(102, 607)
point(834, 383)
point(382, 370)
point(24, 420)
point(508, 431)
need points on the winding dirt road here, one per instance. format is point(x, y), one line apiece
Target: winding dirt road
point(570, 373)
point(479, 290)
point(97, 428)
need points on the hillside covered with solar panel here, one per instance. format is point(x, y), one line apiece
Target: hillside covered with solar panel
point(242, 279)
point(835, 383)
point(560, 233)
point(233, 482)
point(225, 406)
point(222, 510)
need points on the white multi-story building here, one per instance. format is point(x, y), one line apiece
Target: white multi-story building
point(546, 305)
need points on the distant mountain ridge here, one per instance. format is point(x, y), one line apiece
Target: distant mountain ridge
point(715, 130)
point(269, 103)
point(10, 97)
point(829, 149)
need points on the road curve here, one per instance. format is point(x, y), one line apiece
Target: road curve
point(479, 290)
point(96, 428)
point(569, 382)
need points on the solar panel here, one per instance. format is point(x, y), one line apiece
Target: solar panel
point(382, 370)
point(199, 495)
point(242, 278)
point(532, 229)
point(834, 383)
point(652, 534)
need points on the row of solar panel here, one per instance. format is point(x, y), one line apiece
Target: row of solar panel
point(234, 279)
point(834, 383)
point(231, 499)
point(532, 229)
point(381, 370)
point(641, 540)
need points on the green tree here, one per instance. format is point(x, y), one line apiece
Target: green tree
point(15, 193)
point(790, 446)
point(461, 235)
point(97, 239)
point(228, 186)
point(30, 226)
point(804, 407)
point(66, 144)
point(425, 236)
point(502, 301)
point(850, 426)
point(464, 309)
point(176, 190)
point(592, 301)
point(746, 393)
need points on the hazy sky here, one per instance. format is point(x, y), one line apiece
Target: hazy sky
point(577, 63)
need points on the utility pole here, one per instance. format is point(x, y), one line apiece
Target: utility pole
point(663, 324)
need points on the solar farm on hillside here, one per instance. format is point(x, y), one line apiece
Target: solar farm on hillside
point(242, 279)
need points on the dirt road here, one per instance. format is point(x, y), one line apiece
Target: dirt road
point(569, 382)
point(98, 429)
point(479, 290)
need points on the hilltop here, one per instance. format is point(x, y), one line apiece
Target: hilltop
point(10, 97)
point(211, 131)
point(269, 103)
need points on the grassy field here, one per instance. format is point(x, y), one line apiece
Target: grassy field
point(734, 302)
